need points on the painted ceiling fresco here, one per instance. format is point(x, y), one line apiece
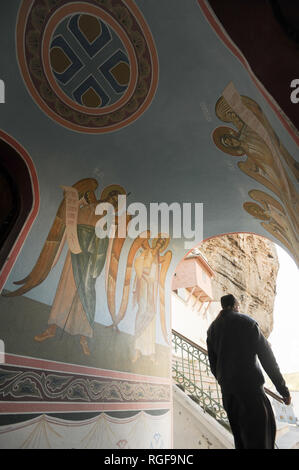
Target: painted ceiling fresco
point(98, 68)
point(150, 100)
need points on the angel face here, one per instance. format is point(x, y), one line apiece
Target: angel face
point(113, 198)
point(230, 141)
point(90, 197)
point(161, 242)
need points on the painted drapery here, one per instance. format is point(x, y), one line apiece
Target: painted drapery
point(101, 432)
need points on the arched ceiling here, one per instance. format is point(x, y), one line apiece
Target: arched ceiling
point(267, 33)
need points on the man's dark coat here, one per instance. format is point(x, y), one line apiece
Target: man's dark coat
point(235, 343)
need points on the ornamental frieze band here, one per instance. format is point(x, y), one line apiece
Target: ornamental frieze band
point(38, 385)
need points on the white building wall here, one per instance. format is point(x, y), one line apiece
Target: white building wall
point(188, 321)
point(194, 429)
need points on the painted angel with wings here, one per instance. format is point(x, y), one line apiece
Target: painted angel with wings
point(149, 295)
point(268, 162)
point(150, 268)
point(74, 305)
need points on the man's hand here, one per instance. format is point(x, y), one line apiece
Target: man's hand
point(287, 400)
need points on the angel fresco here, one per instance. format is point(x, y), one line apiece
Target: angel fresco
point(73, 309)
point(265, 156)
point(150, 269)
point(274, 219)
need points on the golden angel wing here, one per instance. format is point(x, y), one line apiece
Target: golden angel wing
point(112, 276)
point(166, 260)
point(53, 245)
point(46, 259)
point(126, 288)
point(250, 168)
point(112, 268)
point(257, 110)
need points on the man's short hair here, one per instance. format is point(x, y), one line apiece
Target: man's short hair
point(228, 301)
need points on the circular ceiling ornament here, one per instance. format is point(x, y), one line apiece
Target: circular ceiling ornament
point(91, 66)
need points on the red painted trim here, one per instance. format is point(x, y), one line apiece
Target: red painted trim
point(33, 213)
point(21, 407)
point(218, 28)
point(34, 363)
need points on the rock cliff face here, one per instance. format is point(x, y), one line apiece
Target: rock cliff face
point(246, 266)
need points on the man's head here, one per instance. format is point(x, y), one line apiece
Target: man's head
point(229, 302)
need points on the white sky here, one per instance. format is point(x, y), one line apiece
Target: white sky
point(284, 338)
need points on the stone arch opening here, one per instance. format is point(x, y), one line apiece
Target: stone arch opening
point(244, 264)
point(19, 201)
point(253, 269)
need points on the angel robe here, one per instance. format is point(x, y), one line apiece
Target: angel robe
point(74, 305)
point(145, 296)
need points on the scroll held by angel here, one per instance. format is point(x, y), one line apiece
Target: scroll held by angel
point(74, 305)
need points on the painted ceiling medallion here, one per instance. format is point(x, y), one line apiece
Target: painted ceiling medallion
point(91, 66)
